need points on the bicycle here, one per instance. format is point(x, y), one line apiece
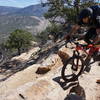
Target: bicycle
point(75, 65)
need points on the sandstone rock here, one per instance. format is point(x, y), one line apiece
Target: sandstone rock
point(68, 51)
point(42, 89)
point(51, 60)
point(63, 56)
point(27, 85)
point(98, 81)
point(48, 64)
point(42, 70)
point(26, 56)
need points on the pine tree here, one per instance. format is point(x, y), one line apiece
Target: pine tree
point(66, 9)
point(19, 39)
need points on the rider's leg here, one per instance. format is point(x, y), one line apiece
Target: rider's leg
point(97, 39)
point(90, 35)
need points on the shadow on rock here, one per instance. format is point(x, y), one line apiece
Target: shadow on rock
point(76, 93)
point(63, 84)
point(11, 67)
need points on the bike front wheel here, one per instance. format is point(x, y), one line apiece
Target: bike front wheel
point(72, 69)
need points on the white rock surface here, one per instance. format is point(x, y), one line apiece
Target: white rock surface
point(27, 85)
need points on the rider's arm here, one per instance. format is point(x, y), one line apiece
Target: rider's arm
point(73, 30)
point(97, 39)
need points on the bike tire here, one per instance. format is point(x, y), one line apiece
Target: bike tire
point(73, 78)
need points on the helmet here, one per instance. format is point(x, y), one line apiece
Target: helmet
point(85, 13)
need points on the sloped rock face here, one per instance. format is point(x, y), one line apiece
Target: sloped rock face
point(40, 90)
point(16, 64)
point(22, 82)
point(28, 85)
point(26, 56)
point(36, 88)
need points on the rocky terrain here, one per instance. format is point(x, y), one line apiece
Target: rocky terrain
point(42, 80)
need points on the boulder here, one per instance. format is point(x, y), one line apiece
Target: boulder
point(64, 53)
point(98, 81)
point(43, 70)
point(63, 56)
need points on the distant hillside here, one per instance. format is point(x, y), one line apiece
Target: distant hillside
point(27, 18)
point(10, 23)
point(4, 10)
point(33, 10)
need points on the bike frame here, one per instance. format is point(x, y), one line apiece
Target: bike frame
point(91, 48)
point(77, 61)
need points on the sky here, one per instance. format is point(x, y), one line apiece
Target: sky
point(21, 3)
point(18, 3)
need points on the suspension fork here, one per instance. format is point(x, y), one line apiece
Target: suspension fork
point(75, 65)
point(87, 61)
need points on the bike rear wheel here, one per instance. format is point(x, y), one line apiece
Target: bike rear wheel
point(72, 69)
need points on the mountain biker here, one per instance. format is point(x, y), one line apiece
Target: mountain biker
point(89, 17)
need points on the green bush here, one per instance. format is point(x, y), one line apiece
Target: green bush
point(19, 39)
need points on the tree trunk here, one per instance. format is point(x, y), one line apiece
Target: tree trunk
point(77, 6)
point(19, 51)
